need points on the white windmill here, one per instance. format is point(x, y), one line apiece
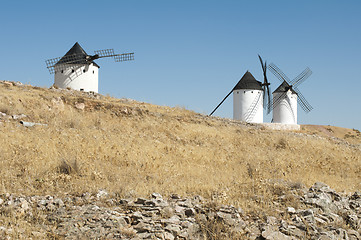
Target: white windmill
point(77, 70)
point(286, 96)
point(248, 100)
point(249, 97)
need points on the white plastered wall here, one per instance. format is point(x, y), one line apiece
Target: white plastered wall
point(248, 105)
point(286, 109)
point(82, 78)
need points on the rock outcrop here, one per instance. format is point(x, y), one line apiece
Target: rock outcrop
point(322, 214)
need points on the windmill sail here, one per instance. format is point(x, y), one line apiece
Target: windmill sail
point(292, 85)
point(287, 96)
point(266, 89)
point(77, 56)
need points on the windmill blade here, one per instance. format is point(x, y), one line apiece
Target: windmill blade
point(266, 89)
point(117, 57)
point(302, 101)
point(221, 102)
point(265, 73)
point(52, 62)
point(278, 73)
point(105, 52)
point(65, 62)
point(264, 81)
point(301, 77)
point(269, 104)
point(51, 69)
point(264, 97)
point(263, 66)
point(124, 57)
point(267, 99)
point(72, 59)
point(62, 67)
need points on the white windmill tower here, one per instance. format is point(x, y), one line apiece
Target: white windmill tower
point(286, 96)
point(77, 70)
point(248, 100)
point(249, 97)
point(285, 111)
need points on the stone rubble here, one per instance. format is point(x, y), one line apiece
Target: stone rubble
point(325, 214)
point(11, 84)
point(73, 92)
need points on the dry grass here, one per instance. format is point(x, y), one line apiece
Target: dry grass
point(134, 149)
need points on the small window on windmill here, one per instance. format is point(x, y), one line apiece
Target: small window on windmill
point(83, 70)
point(93, 71)
point(251, 91)
point(72, 70)
point(244, 92)
point(82, 89)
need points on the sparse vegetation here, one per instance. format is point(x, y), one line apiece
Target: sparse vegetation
point(133, 149)
point(357, 131)
point(215, 229)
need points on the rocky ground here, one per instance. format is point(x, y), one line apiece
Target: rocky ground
point(321, 213)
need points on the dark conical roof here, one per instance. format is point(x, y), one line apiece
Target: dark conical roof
point(79, 55)
point(248, 82)
point(284, 87)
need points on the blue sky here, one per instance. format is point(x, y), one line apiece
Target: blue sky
point(191, 53)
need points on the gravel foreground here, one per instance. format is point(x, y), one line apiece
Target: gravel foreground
point(322, 213)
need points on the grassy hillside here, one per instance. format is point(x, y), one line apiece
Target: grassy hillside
point(132, 148)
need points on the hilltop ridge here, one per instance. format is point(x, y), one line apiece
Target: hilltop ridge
point(65, 143)
point(102, 139)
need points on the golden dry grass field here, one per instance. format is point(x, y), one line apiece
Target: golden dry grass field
point(132, 148)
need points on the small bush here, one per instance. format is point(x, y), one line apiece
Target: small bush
point(282, 144)
point(214, 229)
point(68, 167)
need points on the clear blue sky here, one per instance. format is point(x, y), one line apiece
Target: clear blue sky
point(191, 53)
